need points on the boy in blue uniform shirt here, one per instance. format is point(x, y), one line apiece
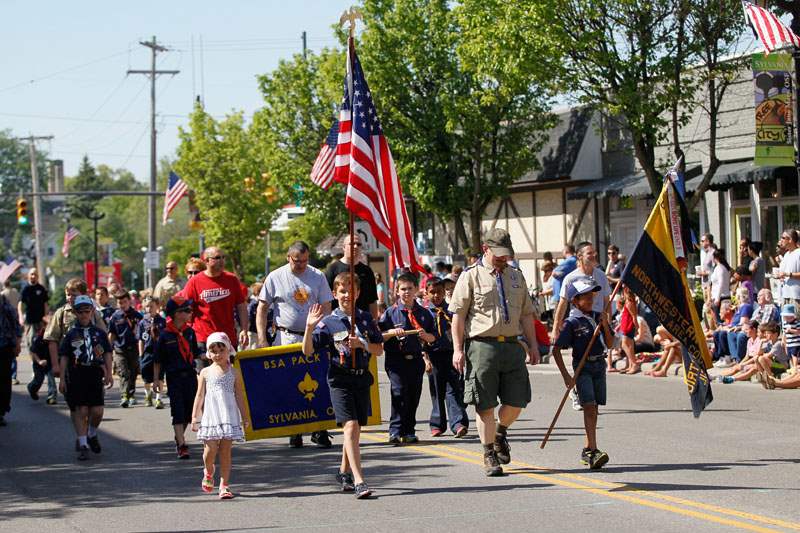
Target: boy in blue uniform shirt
point(175, 353)
point(446, 385)
point(122, 333)
point(576, 333)
point(147, 331)
point(85, 360)
point(349, 377)
point(404, 364)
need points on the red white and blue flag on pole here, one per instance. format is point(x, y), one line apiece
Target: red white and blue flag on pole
point(176, 189)
point(325, 165)
point(364, 162)
point(768, 28)
point(69, 235)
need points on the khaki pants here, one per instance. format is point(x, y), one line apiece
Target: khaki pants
point(127, 363)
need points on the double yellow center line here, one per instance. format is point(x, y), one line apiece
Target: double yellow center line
point(617, 491)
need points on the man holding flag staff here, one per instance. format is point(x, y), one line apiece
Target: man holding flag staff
point(491, 310)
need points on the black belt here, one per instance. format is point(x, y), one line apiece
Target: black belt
point(501, 338)
point(287, 330)
point(350, 371)
point(408, 356)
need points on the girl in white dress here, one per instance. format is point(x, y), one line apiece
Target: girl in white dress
point(216, 416)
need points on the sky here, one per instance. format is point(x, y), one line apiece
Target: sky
point(66, 74)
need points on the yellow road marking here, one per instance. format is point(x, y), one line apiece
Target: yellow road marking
point(455, 453)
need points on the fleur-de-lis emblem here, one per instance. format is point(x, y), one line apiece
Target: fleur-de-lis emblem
point(308, 387)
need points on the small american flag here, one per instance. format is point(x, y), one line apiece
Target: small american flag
point(322, 172)
point(176, 189)
point(70, 234)
point(768, 28)
point(364, 162)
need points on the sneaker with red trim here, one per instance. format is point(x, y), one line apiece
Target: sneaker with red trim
point(183, 451)
point(436, 432)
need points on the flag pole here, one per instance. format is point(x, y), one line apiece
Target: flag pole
point(579, 367)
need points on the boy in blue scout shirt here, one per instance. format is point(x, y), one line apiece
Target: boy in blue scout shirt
point(446, 385)
point(122, 334)
point(85, 360)
point(405, 365)
point(147, 331)
point(175, 353)
point(576, 333)
point(349, 377)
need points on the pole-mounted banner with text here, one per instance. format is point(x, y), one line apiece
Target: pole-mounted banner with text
point(772, 79)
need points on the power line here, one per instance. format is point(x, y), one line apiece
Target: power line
point(69, 69)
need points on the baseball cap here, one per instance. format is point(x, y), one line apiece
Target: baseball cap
point(499, 242)
point(218, 337)
point(789, 310)
point(177, 302)
point(82, 301)
point(581, 285)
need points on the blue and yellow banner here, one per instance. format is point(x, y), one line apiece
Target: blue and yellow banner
point(287, 393)
point(656, 272)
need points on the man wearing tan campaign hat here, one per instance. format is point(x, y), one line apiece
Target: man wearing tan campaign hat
point(491, 310)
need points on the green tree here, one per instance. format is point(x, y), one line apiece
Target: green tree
point(222, 163)
point(300, 99)
point(15, 178)
point(463, 124)
point(87, 179)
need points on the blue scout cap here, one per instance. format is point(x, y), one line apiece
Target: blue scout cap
point(177, 302)
point(581, 285)
point(789, 310)
point(82, 301)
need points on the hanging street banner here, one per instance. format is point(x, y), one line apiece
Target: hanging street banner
point(772, 80)
point(287, 393)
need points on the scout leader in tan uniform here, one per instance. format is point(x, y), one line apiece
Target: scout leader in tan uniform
point(491, 309)
point(64, 318)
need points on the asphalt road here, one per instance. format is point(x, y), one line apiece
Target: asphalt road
point(735, 468)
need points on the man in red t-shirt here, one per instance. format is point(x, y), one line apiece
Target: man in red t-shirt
point(216, 295)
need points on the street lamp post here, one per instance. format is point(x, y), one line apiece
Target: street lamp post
point(95, 217)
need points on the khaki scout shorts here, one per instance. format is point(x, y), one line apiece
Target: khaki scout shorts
point(496, 369)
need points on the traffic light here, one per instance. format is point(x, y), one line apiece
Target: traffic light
point(22, 212)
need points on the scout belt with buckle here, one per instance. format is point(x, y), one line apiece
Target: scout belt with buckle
point(499, 338)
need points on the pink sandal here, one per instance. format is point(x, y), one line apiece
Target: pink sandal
point(225, 493)
point(208, 482)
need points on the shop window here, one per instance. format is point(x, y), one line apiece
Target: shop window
point(626, 202)
point(791, 216)
point(424, 231)
point(769, 229)
point(789, 184)
point(741, 191)
point(768, 189)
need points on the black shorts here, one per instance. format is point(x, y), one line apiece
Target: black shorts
point(182, 390)
point(146, 369)
point(350, 397)
point(84, 386)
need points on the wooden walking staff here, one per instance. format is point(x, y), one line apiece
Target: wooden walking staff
point(350, 17)
point(580, 366)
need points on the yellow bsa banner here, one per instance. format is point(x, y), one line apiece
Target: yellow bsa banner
point(287, 393)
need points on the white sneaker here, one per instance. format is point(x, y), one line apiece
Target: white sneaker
point(576, 405)
point(725, 362)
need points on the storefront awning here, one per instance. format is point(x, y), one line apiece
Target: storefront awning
point(731, 173)
point(634, 185)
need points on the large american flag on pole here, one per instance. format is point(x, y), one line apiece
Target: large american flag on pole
point(69, 235)
point(325, 165)
point(176, 189)
point(364, 162)
point(768, 28)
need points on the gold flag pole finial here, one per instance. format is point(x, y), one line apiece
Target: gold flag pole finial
point(350, 16)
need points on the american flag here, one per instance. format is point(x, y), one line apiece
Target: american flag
point(6, 270)
point(364, 162)
point(324, 166)
point(768, 28)
point(176, 189)
point(70, 234)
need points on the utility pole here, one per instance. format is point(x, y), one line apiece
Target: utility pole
point(305, 44)
point(95, 217)
point(37, 203)
point(151, 205)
